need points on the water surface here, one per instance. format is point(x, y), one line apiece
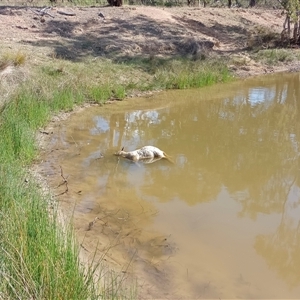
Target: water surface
point(223, 220)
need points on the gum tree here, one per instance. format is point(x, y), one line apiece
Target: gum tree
point(292, 8)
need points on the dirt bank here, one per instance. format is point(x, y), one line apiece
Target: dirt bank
point(138, 31)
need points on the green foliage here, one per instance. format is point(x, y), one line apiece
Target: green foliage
point(99, 93)
point(292, 7)
point(184, 75)
point(119, 92)
point(65, 99)
point(275, 56)
point(38, 259)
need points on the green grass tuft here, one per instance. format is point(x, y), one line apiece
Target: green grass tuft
point(192, 75)
point(275, 56)
point(119, 92)
point(99, 94)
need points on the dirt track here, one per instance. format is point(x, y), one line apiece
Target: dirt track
point(119, 33)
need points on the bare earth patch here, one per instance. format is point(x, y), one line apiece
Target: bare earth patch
point(132, 31)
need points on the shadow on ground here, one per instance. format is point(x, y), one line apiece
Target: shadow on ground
point(130, 36)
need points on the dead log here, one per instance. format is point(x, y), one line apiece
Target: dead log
point(69, 14)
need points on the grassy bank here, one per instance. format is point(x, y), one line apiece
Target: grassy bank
point(38, 258)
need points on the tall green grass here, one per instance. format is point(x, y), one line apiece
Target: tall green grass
point(200, 78)
point(184, 73)
point(193, 75)
point(38, 256)
point(38, 259)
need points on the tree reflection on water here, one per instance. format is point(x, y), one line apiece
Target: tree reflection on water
point(246, 141)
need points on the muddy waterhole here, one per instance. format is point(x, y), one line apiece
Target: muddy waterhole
point(222, 221)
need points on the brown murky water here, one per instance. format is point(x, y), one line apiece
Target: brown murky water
point(222, 221)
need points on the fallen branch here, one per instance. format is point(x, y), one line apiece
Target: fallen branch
point(69, 14)
point(91, 224)
point(42, 12)
point(44, 132)
point(65, 181)
point(84, 248)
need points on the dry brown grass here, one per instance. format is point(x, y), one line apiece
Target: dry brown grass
point(12, 73)
point(10, 58)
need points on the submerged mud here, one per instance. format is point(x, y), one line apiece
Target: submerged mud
point(107, 231)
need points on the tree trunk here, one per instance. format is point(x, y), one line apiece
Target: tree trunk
point(252, 3)
point(289, 27)
point(298, 33)
point(295, 32)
